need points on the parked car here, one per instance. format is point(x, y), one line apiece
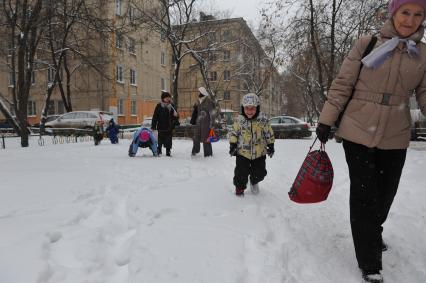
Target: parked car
point(81, 120)
point(48, 119)
point(289, 127)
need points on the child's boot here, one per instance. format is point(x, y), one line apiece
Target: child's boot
point(168, 153)
point(239, 192)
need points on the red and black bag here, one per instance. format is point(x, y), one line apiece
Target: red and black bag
point(315, 178)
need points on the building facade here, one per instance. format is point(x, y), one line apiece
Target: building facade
point(235, 64)
point(125, 76)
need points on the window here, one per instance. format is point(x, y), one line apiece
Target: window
point(163, 84)
point(226, 75)
point(227, 95)
point(162, 36)
point(51, 108)
point(32, 108)
point(118, 40)
point(132, 45)
point(10, 48)
point(132, 77)
point(50, 74)
point(133, 109)
point(212, 37)
point(132, 14)
point(226, 36)
point(226, 55)
point(120, 74)
point(33, 79)
point(61, 107)
point(118, 7)
point(163, 58)
point(274, 121)
point(213, 76)
point(212, 57)
point(120, 107)
point(11, 79)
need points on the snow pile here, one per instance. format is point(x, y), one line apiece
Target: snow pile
point(79, 213)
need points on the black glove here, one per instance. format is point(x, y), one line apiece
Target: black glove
point(233, 148)
point(323, 132)
point(270, 150)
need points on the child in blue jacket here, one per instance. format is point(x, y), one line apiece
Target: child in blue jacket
point(143, 138)
point(112, 131)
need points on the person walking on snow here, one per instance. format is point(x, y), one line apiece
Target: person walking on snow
point(112, 131)
point(251, 139)
point(375, 126)
point(143, 138)
point(202, 118)
point(164, 120)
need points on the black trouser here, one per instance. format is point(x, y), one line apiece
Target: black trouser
point(374, 176)
point(164, 138)
point(256, 168)
point(207, 147)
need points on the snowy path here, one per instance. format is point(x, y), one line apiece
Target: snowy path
point(78, 213)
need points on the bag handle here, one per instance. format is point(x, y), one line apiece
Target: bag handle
point(322, 146)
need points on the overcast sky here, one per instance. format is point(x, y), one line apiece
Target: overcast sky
point(248, 9)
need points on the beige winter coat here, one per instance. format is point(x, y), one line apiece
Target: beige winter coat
point(379, 114)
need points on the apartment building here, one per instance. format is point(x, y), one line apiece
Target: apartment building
point(235, 63)
point(127, 71)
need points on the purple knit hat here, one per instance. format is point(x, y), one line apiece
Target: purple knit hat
point(395, 4)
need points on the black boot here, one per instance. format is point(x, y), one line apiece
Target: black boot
point(372, 276)
point(168, 153)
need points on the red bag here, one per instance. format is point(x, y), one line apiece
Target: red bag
point(315, 178)
point(212, 136)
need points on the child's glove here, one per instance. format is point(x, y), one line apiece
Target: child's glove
point(270, 150)
point(233, 148)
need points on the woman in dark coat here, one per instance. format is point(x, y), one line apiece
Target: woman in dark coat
point(202, 118)
point(164, 120)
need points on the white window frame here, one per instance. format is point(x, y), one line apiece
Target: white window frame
point(163, 58)
point(118, 7)
point(120, 107)
point(133, 108)
point(213, 76)
point(12, 79)
point(33, 79)
point(226, 55)
point(118, 40)
point(32, 110)
point(50, 74)
point(119, 73)
point(132, 14)
point(226, 75)
point(132, 46)
point(132, 77)
point(163, 83)
point(227, 95)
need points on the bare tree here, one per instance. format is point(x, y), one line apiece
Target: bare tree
point(23, 24)
point(319, 34)
point(171, 19)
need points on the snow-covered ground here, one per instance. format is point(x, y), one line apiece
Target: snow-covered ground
point(77, 213)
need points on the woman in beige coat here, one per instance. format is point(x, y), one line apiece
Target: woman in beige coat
point(375, 126)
